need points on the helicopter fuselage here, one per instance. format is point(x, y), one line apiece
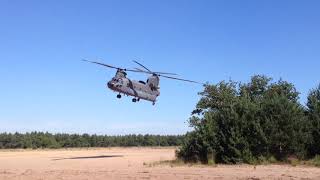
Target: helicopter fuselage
point(137, 89)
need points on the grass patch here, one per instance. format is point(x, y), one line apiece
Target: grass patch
point(315, 161)
point(263, 160)
point(295, 162)
point(171, 163)
point(177, 163)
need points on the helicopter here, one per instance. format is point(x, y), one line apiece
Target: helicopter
point(148, 90)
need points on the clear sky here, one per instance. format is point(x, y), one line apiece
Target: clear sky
point(45, 87)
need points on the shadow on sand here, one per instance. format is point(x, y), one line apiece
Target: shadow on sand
point(88, 157)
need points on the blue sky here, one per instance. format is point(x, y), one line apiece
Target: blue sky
point(45, 86)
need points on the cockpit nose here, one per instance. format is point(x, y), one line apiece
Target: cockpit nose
point(110, 84)
point(115, 84)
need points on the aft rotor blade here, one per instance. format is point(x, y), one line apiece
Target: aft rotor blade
point(173, 74)
point(138, 69)
point(109, 66)
point(182, 79)
point(158, 73)
point(142, 66)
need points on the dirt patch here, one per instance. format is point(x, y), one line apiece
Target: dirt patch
point(130, 163)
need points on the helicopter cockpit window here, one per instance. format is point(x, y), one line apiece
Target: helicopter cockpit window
point(120, 81)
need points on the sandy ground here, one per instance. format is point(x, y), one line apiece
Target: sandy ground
point(129, 163)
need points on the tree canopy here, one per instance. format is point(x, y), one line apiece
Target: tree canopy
point(244, 122)
point(47, 140)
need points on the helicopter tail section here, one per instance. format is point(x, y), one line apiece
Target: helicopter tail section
point(153, 82)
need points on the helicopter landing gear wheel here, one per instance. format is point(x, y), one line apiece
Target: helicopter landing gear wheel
point(119, 96)
point(153, 103)
point(138, 99)
point(134, 100)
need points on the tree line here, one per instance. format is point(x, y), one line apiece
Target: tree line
point(250, 122)
point(47, 140)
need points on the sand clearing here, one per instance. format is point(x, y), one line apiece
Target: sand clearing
point(129, 163)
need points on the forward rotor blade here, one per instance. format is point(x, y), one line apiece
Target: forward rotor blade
point(109, 66)
point(142, 66)
point(106, 65)
point(181, 79)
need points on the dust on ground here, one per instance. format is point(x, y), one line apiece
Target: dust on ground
point(130, 163)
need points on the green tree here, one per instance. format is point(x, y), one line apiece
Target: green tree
point(235, 122)
point(314, 117)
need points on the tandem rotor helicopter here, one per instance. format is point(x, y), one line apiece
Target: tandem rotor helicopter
point(148, 90)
